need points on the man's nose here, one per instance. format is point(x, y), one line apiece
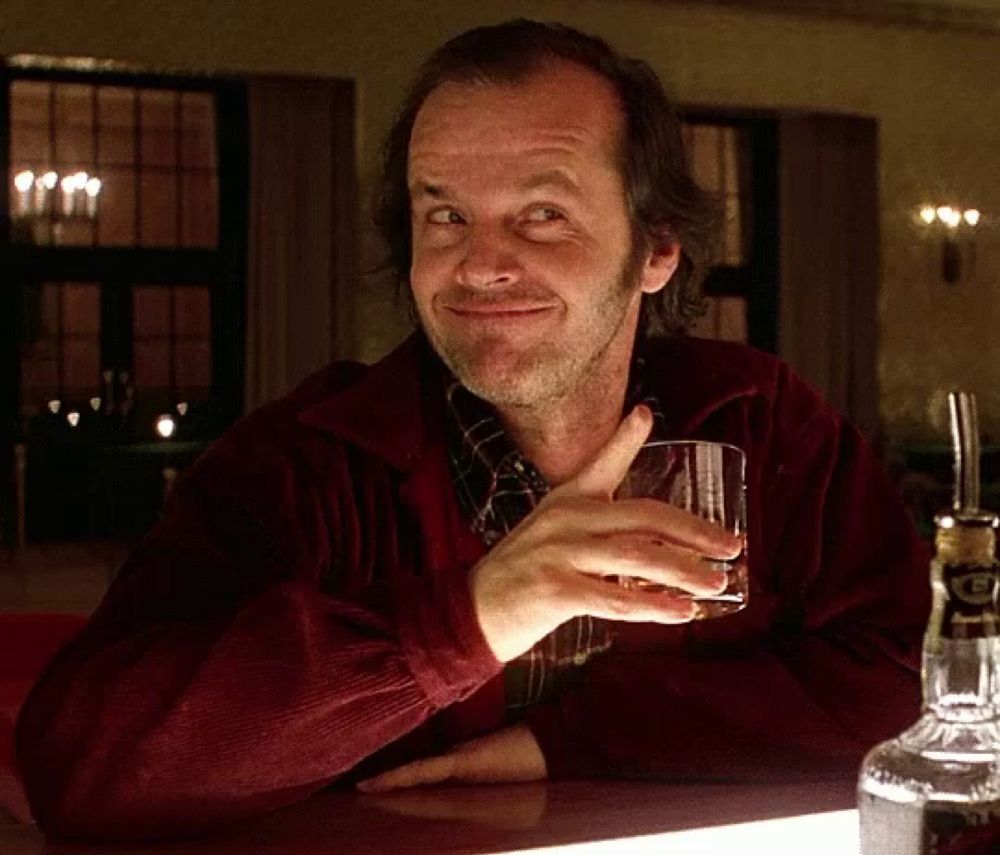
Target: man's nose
point(489, 258)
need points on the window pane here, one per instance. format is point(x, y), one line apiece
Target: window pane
point(192, 340)
point(732, 231)
point(720, 157)
point(73, 232)
point(192, 312)
point(39, 382)
point(81, 359)
point(199, 209)
point(116, 213)
point(198, 130)
point(30, 129)
point(158, 110)
point(74, 127)
point(116, 125)
point(731, 250)
point(704, 155)
point(193, 366)
point(81, 308)
point(151, 361)
point(151, 311)
point(60, 355)
point(158, 195)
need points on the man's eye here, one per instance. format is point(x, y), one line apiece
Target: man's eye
point(445, 217)
point(545, 215)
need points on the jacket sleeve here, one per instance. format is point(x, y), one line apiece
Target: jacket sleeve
point(822, 666)
point(221, 678)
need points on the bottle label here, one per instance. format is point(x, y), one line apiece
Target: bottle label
point(969, 607)
point(971, 829)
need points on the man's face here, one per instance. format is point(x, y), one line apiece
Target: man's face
point(521, 270)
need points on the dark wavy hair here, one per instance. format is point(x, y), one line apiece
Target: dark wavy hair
point(662, 197)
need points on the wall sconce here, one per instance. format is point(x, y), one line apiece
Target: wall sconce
point(953, 222)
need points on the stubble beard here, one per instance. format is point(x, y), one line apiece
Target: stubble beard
point(545, 373)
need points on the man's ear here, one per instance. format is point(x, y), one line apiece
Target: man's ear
point(660, 265)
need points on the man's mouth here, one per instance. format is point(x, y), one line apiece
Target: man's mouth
point(497, 310)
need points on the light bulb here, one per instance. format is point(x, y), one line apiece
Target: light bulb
point(24, 180)
point(971, 216)
point(93, 186)
point(928, 214)
point(165, 426)
point(49, 180)
point(950, 216)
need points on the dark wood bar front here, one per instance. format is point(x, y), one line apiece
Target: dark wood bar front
point(494, 819)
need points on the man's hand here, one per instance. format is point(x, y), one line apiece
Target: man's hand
point(550, 567)
point(504, 756)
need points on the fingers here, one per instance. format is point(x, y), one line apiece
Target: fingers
point(656, 520)
point(431, 770)
point(613, 602)
point(602, 475)
point(662, 563)
point(675, 525)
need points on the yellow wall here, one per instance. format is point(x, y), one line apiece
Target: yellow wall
point(935, 95)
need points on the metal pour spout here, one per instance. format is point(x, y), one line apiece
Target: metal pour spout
point(965, 439)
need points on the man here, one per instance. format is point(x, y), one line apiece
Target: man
point(394, 576)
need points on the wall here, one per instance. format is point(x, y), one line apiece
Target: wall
point(934, 95)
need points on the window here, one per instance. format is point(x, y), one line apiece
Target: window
point(126, 241)
point(734, 158)
point(148, 157)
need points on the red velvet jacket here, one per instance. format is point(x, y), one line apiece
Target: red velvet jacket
point(301, 615)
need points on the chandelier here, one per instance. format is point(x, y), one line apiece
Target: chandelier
point(43, 204)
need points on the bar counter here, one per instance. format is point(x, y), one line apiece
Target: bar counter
point(570, 817)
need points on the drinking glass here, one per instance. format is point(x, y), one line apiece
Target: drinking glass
point(707, 479)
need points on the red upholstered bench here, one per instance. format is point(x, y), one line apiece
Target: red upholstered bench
point(27, 643)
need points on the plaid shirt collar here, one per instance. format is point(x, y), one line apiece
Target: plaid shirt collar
point(485, 459)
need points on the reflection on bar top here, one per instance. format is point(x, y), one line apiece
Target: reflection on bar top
point(829, 833)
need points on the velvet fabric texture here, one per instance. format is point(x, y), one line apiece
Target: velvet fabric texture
point(301, 615)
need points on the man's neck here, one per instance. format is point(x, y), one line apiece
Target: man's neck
point(561, 435)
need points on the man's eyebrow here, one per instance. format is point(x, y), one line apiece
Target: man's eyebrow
point(420, 188)
point(551, 178)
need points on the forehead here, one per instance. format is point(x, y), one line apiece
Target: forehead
point(560, 110)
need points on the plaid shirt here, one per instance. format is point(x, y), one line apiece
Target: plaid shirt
point(497, 487)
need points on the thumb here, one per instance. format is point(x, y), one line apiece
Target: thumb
point(602, 475)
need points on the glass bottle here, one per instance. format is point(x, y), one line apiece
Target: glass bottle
point(935, 788)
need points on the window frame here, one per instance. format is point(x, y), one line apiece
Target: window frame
point(757, 280)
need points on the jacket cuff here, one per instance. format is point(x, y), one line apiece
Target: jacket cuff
point(443, 643)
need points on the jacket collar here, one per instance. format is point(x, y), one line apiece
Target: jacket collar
point(694, 377)
point(388, 410)
point(395, 408)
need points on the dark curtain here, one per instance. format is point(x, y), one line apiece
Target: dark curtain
point(829, 230)
point(302, 247)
